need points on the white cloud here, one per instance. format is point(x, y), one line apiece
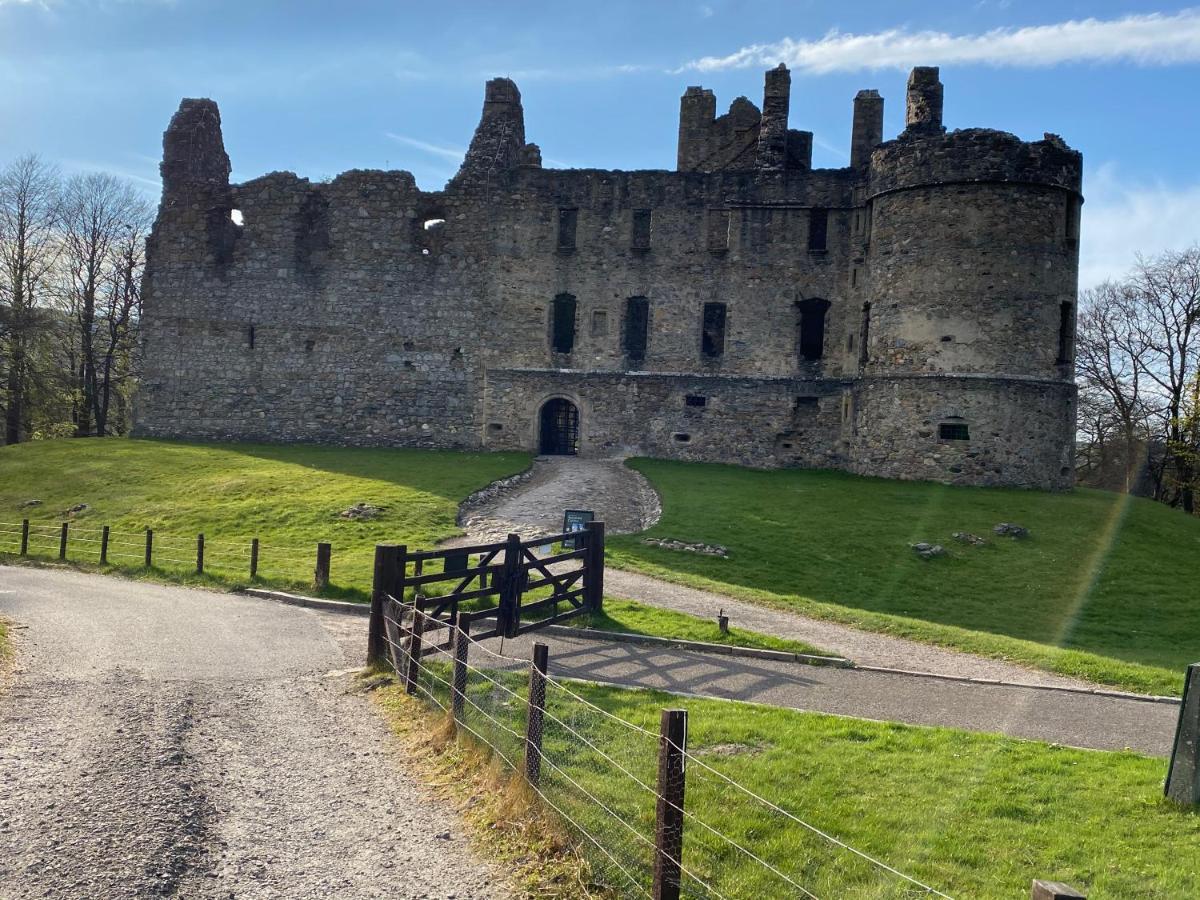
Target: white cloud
point(453, 153)
point(1152, 39)
point(1122, 219)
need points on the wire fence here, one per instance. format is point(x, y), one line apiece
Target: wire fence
point(167, 551)
point(608, 780)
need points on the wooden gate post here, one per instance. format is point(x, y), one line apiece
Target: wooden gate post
point(508, 614)
point(535, 712)
point(104, 546)
point(24, 537)
point(1183, 774)
point(593, 585)
point(462, 644)
point(199, 554)
point(254, 557)
point(149, 548)
point(1054, 890)
point(62, 542)
point(389, 572)
point(321, 577)
point(414, 649)
point(668, 830)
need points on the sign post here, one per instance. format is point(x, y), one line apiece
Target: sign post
point(575, 520)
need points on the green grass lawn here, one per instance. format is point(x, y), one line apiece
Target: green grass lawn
point(970, 814)
point(288, 496)
point(1105, 588)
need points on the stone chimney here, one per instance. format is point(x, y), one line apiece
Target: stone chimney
point(923, 111)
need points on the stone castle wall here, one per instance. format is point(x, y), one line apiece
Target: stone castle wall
point(365, 311)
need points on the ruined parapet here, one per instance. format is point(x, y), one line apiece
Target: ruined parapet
point(867, 130)
point(773, 130)
point(711, 143)
point(697, 110)
point(194, 157)
point(498, 146)
point(923, 107)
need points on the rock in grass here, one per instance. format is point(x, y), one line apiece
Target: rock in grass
point(1008, 529)
point(360, 511)
point(31, 503)
point(928, 551)
point(77, 508)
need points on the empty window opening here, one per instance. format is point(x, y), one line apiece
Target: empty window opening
point(850, 341)
point(568, 219)
point(681, 437)
point(599, 322)
point(712, 334)
point(309, 345)
point(495, 426)
point(637, 318)
point(236, 217)
point(954, 431)
point(864, 334)
point(818, 228)
point(810, 326)
point(695, 400)
point(947, 338)
point(807, 403)
point(433, 224)
point(1066, 329)
point(718, 230)
point(1072, 224)
point(854, 277)
point(562, 325)
point(250, 337)
point(641, 229)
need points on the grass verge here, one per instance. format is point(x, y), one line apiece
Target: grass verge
point(1102, 589)
point(973, 815)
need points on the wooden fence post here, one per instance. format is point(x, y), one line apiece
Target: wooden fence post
point(254, 557)
point(1054, 890)
point(24, 537)
point(413, 669)
point(62, 542)
point(149, 548)
point(668, 830)
point(1183, 774)
point(462, 644)
point(593, 586)
point(389, 571)
point(321, 576)
point(104, 546)
point(199, 554)
point(508, 614)
point(536, 708)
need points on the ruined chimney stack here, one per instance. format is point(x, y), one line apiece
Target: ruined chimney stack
point(923, 111)
point(194, 157)
point(867, 132)
point(697, 110)
point(498, 146)
point(773, 133)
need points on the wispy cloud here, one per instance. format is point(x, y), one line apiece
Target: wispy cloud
point(1148, 40)
point(1122, 219)
point(452, 153)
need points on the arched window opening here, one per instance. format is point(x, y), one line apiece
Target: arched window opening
point(810, 328)
point(562, 324)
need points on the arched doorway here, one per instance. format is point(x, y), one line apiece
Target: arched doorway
point(559, 434)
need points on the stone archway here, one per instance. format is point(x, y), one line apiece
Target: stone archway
point(558, 432)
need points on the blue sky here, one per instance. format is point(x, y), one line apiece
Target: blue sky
point(319, 88)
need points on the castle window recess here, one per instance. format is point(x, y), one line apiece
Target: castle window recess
point(712, 334)
point(250, 337)
point(641, 229)
point(954, 431)
point(718, 230)
point(309, 345)
point(682, 437)
point(818, 229)
point(562, 324)
point(599, 322)
point(1066, 321)
point(865, 334)
point(1071, 231)
point(810, 326)
point(568, 219)
point(637, 317)
point(807, 403)
point(695, 400)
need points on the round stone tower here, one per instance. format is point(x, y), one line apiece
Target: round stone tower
point(966, 352)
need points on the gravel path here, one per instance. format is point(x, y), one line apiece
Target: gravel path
point(159, 741)
point(627, 503)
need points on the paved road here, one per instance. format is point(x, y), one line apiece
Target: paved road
point(160, 741)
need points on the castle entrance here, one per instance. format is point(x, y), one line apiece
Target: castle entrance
point(559, 434)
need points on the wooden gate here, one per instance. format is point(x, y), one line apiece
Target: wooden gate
point(490, 590)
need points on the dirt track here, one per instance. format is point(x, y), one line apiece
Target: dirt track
point(156, 741)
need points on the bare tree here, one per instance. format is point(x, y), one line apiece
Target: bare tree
point(122, 306)
point(100, 212)
point(29, 245)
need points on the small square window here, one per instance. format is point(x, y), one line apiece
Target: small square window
point(695, 400)
point(953, 431)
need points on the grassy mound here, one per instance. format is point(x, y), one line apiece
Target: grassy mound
point(1104, 587)
point(288, 496)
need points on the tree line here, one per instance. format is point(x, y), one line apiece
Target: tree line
point(1138, 371)
point(72, 252)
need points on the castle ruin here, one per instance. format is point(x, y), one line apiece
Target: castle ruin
point(909, 316)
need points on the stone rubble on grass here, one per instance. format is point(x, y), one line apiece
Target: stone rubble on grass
point(685, 546)
point(77, 508)
point(1008, 529)
point(31, 503)
point(928, 551)
point(360, 511)
point(965, 537)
